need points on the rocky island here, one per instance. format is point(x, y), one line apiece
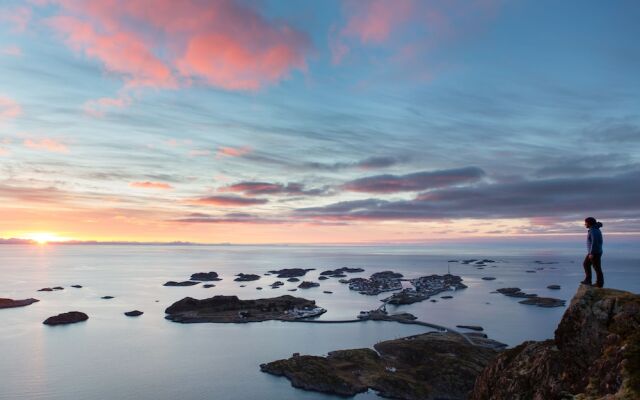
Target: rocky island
point(291, 272)
point(231, 309)
point(10, 303)
point(205, 276)
point(428, 366)
point(246, 277)
point(70, 317)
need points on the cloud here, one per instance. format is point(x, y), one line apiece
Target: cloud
point(407, 28)
point(168, 44)
point(51, 145)
point(373, 21)
point(231, 218)
point(265, 188)
point(232, 151)
point(228, 201)
point(561, 198)
point(98, 107)
point(12, 50)
point(414, 182)
point(373, 162)
point(18, 17)
point(8, 108)
point(151, 185)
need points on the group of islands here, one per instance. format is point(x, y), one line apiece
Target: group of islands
point(442, 364)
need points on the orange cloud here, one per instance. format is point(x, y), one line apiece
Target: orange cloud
point(224, 43)
point(51, 145)
point(9, 108)
point(232, 151)
point(151, 185)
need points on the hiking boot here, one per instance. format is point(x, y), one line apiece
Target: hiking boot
point(586, 282)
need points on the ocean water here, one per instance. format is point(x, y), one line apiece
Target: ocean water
point(112, 356)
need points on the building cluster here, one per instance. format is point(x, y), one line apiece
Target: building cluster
point(374, 285)
point(305, 312)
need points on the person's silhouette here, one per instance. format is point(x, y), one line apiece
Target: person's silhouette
point(594, 252)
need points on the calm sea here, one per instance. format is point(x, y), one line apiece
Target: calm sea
point(116, 357)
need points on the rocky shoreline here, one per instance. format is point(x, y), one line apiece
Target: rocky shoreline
point(428, 366)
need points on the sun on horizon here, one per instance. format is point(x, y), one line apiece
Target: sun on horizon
point(44, 237)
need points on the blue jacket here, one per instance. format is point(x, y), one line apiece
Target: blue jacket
point(594, 240)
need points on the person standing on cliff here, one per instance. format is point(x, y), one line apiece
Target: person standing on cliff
point(594, 255)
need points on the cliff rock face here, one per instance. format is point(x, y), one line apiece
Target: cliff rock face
point(595, 355)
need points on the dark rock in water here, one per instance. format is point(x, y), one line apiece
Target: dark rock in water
point(258, 288)
point(472, 327)
point(530, 271)
point(205, 276)
point(228, 308)
point(246, 277)
point(323, 278)
point(76, 286)
point(291, 272)
point(553, 287)
point(446, 297)
point(341, 271)
point(293, 280)
point(307, 285)
point(293, 290)
point(277, 284)
point(243, 285)
point(328, 292)
point(208, 285)
point(488, 278)
point(46, 289)
point(515, 292)
point(134, 313)
point(107, 297)
point(57, 288)
point(433, 300)
point(70, 317)
point(543, 302)
point(10, 303)
point(183, 283)
point(337, 276)
point(427, 367)
point(386, 275)
point(595, 354)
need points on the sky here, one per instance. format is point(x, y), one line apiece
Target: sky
point(318, 121)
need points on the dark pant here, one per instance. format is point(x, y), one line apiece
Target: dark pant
point(596, 262)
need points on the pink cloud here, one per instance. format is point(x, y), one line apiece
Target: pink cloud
point(232, 151)
point(9, 108)
point(199, 153)
point(51, 145)
point(168, 44)
point(19, 17)
point(151, 185)
point(407, 28)
point(12, 50)
point(229, 201)
point(373, 21)
point(97, 107)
